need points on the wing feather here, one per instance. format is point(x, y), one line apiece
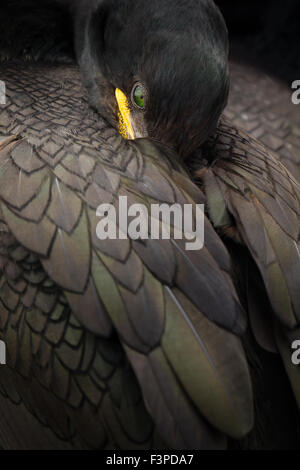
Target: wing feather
point(114, 292)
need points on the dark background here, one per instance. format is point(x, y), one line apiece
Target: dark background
point(265, 32)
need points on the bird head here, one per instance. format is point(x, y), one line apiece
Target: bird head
point(157, 69)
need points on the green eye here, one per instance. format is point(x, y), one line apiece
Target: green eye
point(138, 96)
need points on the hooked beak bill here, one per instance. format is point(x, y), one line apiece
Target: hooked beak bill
point(124, 115)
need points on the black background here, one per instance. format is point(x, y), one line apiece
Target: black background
point(265, 32)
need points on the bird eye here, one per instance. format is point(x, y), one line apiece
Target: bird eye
point(138, 96)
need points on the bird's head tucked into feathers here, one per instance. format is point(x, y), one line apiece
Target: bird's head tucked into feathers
point(163, 65)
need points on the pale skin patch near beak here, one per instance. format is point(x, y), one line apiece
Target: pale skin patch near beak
point(124, 115)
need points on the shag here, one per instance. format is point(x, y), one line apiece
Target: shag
point(139, 344)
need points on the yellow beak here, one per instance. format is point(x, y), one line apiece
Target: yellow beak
point(125, 129)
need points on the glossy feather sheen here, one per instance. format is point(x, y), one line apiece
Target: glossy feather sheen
point(249, 190)
point(80, 315)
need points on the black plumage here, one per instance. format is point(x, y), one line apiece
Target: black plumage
point(183, 66)
point(127, 344)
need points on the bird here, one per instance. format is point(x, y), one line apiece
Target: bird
point(266, 111)
point(139, 344)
